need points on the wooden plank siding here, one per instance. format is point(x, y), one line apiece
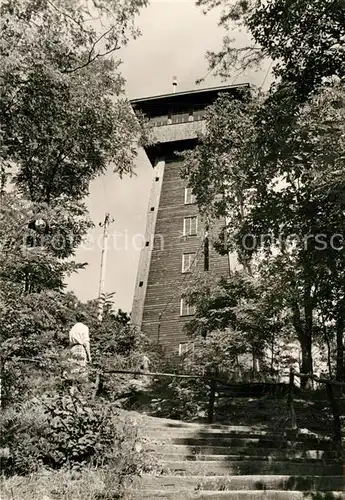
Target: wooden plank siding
point(166, 282)
point(145, 254)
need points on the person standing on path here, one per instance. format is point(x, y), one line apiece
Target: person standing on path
point(80, 342)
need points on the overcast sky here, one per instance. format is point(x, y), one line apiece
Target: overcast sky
point(176, 35)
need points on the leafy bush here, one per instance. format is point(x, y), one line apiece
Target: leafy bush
point(69, 485)
point(23, 427)
point(34, 334)
point(171, 397)
point(67, 431)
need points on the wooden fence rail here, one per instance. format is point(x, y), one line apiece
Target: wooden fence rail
point(214, 382)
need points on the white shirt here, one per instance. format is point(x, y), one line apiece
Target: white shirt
point(79, 334)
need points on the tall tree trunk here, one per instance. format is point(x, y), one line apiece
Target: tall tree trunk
point(305, 339)
point(307, 360)
point(272, 356)
point(328, 343)
point(256, 365)
point(329, 356)
point(340, 367)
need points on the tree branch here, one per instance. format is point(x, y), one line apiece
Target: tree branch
point(101, 7)
point(78, 23)
point(91, 58)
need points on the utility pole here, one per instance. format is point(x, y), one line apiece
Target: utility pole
point(105, 225)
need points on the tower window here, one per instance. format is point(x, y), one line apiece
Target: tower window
point(190, 226)
point(157, 179)
point(147, 243)
point(189, 197)
point(141, 283)
point(186, 309)
point(152, 209)
point(188, 262)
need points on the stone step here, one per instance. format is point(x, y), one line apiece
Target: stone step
point(188, 457)
point(233, 495)
point(244, 442)
point(243, 467)
point(238, 429)
point(184, 451)
point(155, 422)
point(227, 431)
point(212, 433)
point(178, 432)
point(161, 425)
point(234, 483)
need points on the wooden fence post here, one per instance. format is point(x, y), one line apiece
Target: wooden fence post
point(98, 388)
point(212, 397)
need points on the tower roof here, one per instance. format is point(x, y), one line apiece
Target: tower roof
point(155, 105)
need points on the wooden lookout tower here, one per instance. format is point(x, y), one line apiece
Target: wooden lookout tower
point(175, 237)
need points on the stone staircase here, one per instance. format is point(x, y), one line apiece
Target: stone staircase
point(237, 462)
